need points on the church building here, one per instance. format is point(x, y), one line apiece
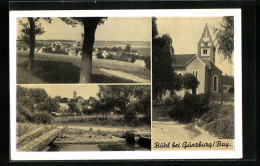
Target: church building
point(203, 66)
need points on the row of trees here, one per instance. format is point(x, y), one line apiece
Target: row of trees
point(130, 101)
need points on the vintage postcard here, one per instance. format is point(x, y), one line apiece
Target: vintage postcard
point(125, 84)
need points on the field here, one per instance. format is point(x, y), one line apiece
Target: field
point(55, 68)
point(143, 48)
point(95, 120)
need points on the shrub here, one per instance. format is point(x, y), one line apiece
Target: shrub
point(100, 56)
point(42, 117)
point(147, 61)
point(191, 107)
point(20, 117)
point(219, 120)
point(110, 56)
point(24, 112)
point(24, 115)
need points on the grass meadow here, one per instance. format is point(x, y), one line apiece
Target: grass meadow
point(55, 68)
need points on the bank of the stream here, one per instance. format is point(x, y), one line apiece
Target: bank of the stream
point(86, 138)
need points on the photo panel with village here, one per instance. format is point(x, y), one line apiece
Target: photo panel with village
point(56, 118)
point(193, 83)
point(54, 50)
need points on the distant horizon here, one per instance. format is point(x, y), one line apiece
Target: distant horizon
point(95, 40)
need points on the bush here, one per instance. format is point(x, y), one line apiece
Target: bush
point(100, 56)
point(219, 120)
point(127, 57)
point(24, 115)
point(21, 117)
point(42, 117)
point(24, 112)
point(190, 108)
point(147, 61)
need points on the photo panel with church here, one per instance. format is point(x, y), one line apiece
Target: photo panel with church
point(193, 83)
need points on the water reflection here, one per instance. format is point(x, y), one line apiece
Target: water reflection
point(96, 147)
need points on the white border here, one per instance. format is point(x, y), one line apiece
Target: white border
point(202, 154)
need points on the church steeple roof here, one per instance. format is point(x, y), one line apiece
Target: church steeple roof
point(206, 37)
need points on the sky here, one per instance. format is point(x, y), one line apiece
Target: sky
point(186, 33)
point(113, 29)
point(67, 90)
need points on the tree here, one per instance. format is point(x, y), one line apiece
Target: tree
point(29, 31)
point(163, 59)
point(49, 106)
point(225, 37)
point(190, 82)
point(89, 25)
point(128, 48)
point(147, 61)
point(57, 99)
point(112, 96)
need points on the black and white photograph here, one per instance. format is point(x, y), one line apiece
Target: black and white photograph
point(83, 118)
point(83, 50)
point(125, 84)
point(193, 83)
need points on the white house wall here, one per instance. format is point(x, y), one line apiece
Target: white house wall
point(199, 66)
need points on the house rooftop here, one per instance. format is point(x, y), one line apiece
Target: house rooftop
point(181, 60)
point(227, 80)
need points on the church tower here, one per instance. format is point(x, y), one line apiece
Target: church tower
point(75, 95)
point(206, 49)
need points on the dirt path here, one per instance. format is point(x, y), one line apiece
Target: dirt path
point(172, 130)
point(125, 75)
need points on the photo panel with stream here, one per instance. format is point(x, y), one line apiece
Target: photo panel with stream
point(193, 83)
point(83, 118)
point(83, 50)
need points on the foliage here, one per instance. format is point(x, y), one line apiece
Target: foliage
point(225, 37)
point(163, 58)
point(34, 105)
point(147, 61)
point(57, 99)
point(219, 120)
point(128, 48)
point(89, 25)
point(48, 106)
point(24, 115)
point(154, 28)
point(65, 69)
point(35, 95)
point(74, 107)
point(231, 90)
point(126, 57)
point(190, 82)
point(39, 29)
point(178, 82)
point(190, 108)
point(99, 55)
point(29, 31)
point(131, 100)
point(169, 101)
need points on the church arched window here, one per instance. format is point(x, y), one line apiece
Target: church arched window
point(205, 51)
point(215, 83)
